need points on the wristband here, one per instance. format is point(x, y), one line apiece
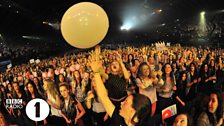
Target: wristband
point(97, 72)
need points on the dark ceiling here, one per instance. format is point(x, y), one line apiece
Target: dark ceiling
point(26, 17)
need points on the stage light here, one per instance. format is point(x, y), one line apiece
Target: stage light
point(158, 11)
point(220, 11)
point(202, 13)
point(202, 25)
point(126, 27)
point(55, 25)
point(31, 37)
point(44, 22)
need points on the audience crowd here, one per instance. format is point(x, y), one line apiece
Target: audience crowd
point(124, 86)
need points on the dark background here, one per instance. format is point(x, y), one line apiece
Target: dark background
point(25, 18)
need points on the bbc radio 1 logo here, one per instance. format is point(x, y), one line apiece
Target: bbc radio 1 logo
point(14, 103)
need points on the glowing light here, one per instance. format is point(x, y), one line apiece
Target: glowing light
point(31, 37)
point(202, 13)
point(126, 27)
point(44, 22)
point(202, 25)
point(54, 25)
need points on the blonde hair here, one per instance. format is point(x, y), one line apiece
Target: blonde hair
point(52, 88)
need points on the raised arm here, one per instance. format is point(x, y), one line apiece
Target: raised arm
point(101, 70)
point(124, 69)
point(101, 91)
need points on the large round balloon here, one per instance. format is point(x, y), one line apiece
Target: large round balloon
point(84, 25)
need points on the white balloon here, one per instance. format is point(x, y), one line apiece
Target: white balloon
point(84, 25)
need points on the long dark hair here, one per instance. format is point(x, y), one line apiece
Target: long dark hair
point(171, 74)
point(78, 80)
point(39, 85)
point(181, 75)
point(20, 90)
point(36, 94)
point(202, 69)
point(182, 84)
point(2, 94)
point(131, 61)
point(7, 89)
point(195, 68)
point(219, 111)
point(62, 76)
point(142, 106)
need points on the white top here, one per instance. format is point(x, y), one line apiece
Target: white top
point(150, 91)
point(54, 111)
point(98, 106)
point(168, 86)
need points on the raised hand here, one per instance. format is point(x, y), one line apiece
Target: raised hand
point(118, 57)
point(97, 52)
point(95, 62)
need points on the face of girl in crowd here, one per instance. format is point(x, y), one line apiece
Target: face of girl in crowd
point(137, 63)
point(127, 111)
point(145, 70)
point(151, 60)
point(115, 67)
point(64, 91)
point(212, 63)
point(184, 76)
point(168, 69)
point(2, 120)
point(35, 80)
point(16, 86)
point(141, 59)
point(86, 76)
point(76, 73)
point(130, 57)
point(206, 68)
point(174, 65)
point(180, 120)
point(51, 71)
point(124, 57)
point(61, 78)
point(160, 66)
point(2, 89)
point(10, 87)
point(171, 57)
point(192, 67)
point(213, 103)
point(30, 88)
